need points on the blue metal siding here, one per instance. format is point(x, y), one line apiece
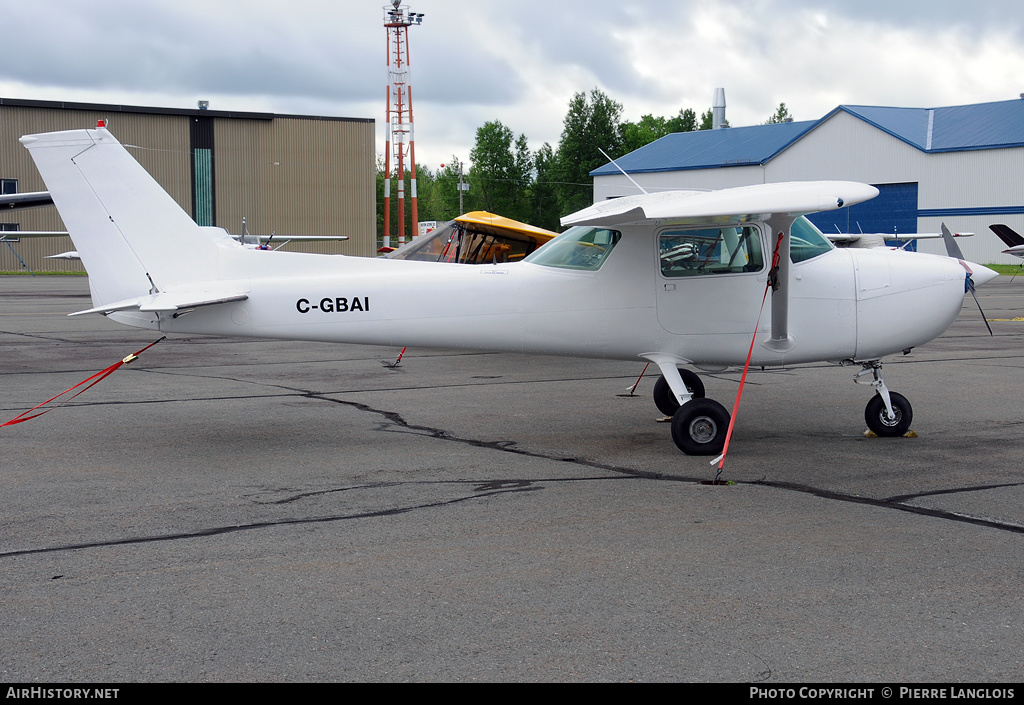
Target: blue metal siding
point(894, 210)
point(965, 212)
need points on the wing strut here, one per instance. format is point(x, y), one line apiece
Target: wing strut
point(780, 341)
point(8, 243)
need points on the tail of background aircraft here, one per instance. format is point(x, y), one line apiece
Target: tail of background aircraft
point(1007, 235)
point(133, 238)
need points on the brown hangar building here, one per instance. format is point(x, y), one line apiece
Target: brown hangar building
point(284, 174)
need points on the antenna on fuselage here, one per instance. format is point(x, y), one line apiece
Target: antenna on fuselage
point(616, 165)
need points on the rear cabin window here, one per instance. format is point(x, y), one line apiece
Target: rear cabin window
point(690, 253)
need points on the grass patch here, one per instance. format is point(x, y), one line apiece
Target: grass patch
point(1009, 269)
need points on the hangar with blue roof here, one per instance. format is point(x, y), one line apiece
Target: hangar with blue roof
point(959, 165)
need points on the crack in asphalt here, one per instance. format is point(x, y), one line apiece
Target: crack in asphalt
point(393, 422)
point(47, 338)
point(222, 530)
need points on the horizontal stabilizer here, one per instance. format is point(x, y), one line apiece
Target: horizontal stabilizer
point(15, 235)
point(166, 302)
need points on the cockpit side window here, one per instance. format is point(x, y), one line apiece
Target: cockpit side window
point(729, 250)
point(581, 247)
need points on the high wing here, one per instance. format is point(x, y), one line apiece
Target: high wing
point(21, 201)
point(15, 235)
point(869, 240)
point(18, 201)
point(299, 238)
point(262, 242)
point(744, 203)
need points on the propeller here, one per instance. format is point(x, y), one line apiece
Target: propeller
point(953, 250)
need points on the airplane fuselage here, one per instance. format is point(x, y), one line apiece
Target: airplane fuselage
point(844, 305)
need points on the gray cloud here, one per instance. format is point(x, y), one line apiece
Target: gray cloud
point(520, 62)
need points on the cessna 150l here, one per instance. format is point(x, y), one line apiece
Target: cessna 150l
point(674, 278)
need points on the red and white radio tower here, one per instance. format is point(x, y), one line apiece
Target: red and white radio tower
point(399, 131)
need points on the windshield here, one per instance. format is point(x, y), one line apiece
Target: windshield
point(806, 241)
point(581, 247)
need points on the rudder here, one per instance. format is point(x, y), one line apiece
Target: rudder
point(131, 235)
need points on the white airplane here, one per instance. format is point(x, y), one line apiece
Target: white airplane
point(869, 240)
point(1013, 241)
point(18, 201)
point(674, 278)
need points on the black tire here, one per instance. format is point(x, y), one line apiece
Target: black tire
point(665, 400)
point(876, 418)
point(699, 427)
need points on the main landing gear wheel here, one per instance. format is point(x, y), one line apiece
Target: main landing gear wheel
point(878, 420)
point(699, 427)
point(665, 400)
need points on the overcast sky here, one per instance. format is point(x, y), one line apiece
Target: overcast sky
point(518, 62)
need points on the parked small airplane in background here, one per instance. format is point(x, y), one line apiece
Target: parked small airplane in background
point(477, 237)
point(1014, 242)
point(869, 240)
point(674, 278)
point(252, 242)
point(19, 201)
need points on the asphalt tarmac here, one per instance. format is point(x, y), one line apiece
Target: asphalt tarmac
point(250, 510)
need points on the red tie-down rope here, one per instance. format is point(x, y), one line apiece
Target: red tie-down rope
point(772, 283)
point(90, 382)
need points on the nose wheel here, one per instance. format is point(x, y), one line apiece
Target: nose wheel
point(887, 414)
point(879, 420)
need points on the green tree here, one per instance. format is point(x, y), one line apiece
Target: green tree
point(781, 115)
point(501, 171)
point(589, 126)
point(635, 135)
point(707, 120)
point(445, 197)
point(543, 194)
point(685, 121)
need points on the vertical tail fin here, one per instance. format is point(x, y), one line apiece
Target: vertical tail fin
point(1007, 234)
point(131, 235)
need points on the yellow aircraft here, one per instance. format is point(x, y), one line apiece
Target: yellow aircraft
point(477, 237)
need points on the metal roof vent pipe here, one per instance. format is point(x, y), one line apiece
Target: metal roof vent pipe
point(718, 120)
